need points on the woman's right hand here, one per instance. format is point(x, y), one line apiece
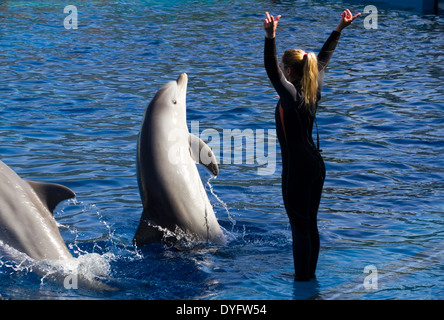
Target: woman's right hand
point(270, 25)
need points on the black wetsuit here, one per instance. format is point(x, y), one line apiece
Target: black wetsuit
point(303, 171)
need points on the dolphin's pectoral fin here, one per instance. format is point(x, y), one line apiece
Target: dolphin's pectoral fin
point(51, 194)
point(202, 153)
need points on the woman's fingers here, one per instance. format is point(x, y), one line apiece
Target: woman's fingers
point(356, 15)
point(270, 19)
point(348, 17)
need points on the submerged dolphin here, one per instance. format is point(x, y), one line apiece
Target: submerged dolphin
point(26, 216)
point(174, 199)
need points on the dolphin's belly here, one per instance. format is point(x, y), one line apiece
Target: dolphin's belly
point(185, 203)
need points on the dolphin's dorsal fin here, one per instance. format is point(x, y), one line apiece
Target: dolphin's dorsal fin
point(201, 152)
point(51, 194)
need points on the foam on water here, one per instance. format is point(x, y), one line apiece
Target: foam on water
point(89, 267)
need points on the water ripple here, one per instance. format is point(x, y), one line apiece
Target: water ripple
point(73, 100)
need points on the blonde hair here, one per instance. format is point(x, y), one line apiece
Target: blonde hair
point(305, 70)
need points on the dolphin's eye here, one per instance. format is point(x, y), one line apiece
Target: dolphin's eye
point(174, 101)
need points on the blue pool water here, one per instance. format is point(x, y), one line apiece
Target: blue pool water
point(72, 102)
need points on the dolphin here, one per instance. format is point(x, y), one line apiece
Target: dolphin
point(173, 197)
point(27, 223)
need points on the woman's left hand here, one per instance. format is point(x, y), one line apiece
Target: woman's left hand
point(347, 19)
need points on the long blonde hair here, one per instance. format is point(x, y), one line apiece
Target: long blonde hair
point(305, 70)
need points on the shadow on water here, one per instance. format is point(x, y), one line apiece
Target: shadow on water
point(306, 290)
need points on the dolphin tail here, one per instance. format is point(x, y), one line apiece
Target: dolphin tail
point(51, 194)
point(146, 233)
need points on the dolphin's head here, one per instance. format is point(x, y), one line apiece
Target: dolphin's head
point(179, 90)
point(172, 96)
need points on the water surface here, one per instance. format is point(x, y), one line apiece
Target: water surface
point(72, 102)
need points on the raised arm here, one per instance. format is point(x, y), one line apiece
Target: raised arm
point(284, 88)
point(329, 46)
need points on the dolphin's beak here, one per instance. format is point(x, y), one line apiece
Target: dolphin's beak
point(182, 81)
